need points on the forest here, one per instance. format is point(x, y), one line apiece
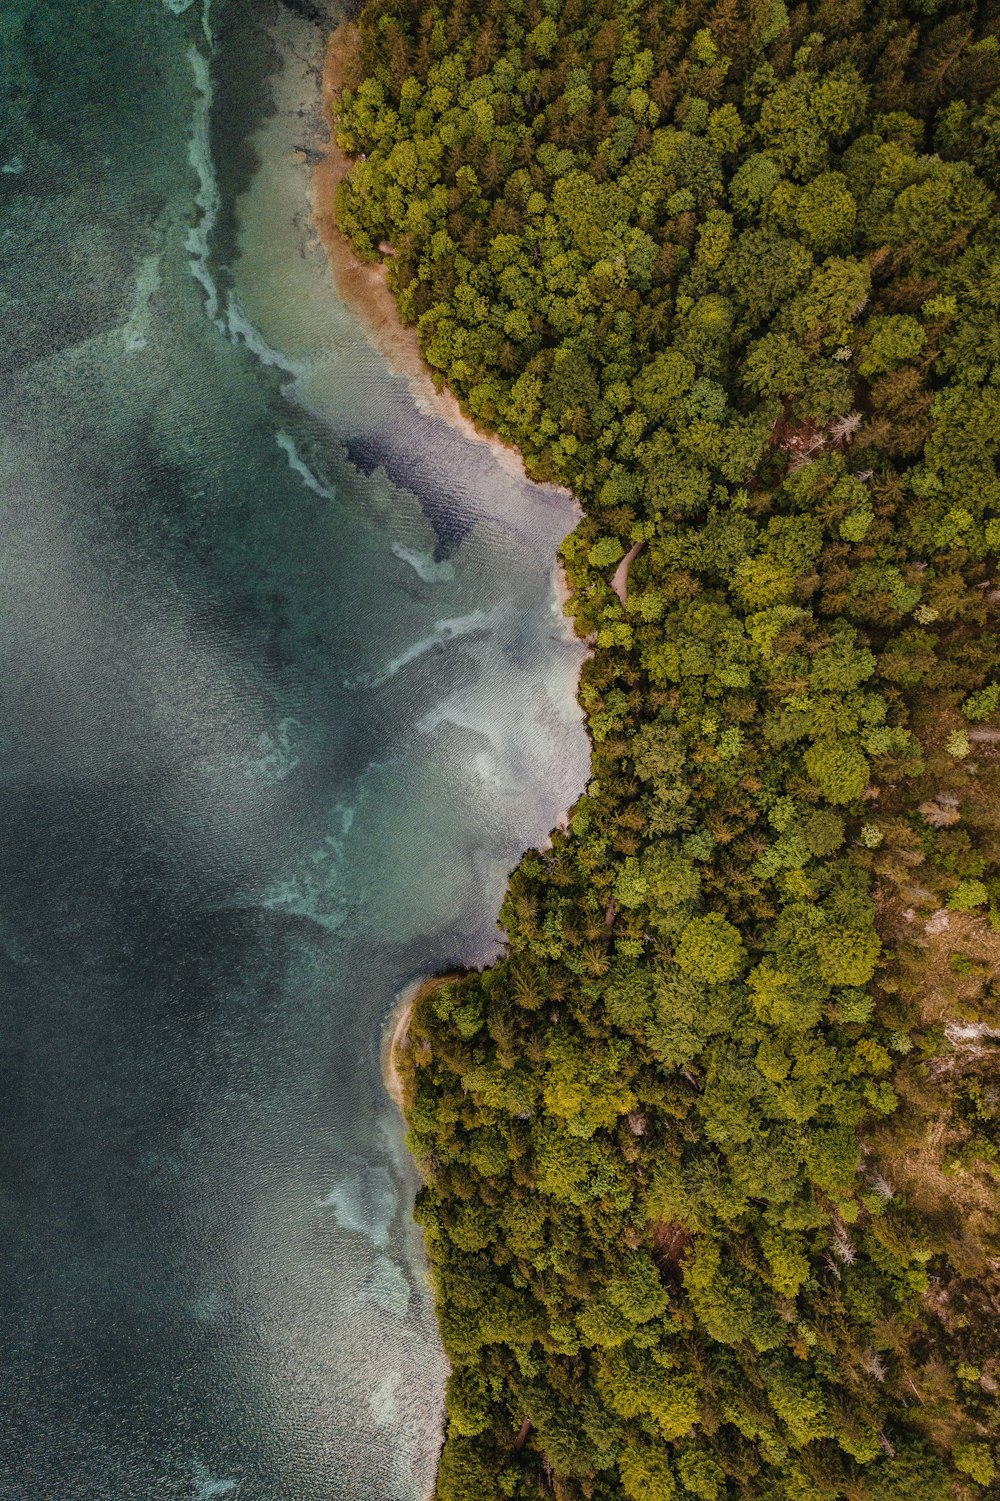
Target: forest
point(710, 1155)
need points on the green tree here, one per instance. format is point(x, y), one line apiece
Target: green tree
point(710, 949)
point(838, 768)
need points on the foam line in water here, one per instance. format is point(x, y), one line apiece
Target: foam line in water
point(287, 445)
point(424, 566)
point(444, 631)
point(207, 198)
point(238, 326)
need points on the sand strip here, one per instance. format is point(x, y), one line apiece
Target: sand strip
point(363, 286)
point(395, 1038)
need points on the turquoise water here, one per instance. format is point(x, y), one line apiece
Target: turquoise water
point(285, 691)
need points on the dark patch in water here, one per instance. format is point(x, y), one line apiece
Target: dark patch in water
point(412, 471)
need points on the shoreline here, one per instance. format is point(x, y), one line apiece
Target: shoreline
point(394, 1038)
point(363, 286)
point(395, 1035)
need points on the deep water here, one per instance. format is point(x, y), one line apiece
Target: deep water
point(284, 691)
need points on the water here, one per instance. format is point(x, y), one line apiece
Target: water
point(284, 691)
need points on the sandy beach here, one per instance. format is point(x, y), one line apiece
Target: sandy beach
point(395, 1036)
point(394, 1040)
point(363, 286)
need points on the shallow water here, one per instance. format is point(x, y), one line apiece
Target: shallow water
point(285, 690)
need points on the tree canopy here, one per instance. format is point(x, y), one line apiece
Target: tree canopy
point(709, 1156)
